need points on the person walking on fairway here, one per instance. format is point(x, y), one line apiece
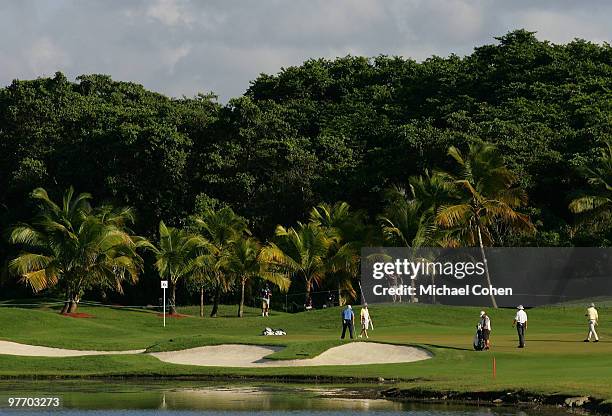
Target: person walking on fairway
point(266, 295)
point(348, 321)
point(366, 321)
point(593, 318)
point(485, 325)
point(520, 320)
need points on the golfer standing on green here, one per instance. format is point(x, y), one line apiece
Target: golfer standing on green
point(593, 318)
point(348, 321)
point(485, 324)
point(520, 320)
point(366, 321)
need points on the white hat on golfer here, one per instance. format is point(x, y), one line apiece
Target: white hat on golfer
point(349, 306)
point(592, 305)
point(520, 307)
point(482, 313)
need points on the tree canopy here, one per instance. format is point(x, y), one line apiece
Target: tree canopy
point(345, 129)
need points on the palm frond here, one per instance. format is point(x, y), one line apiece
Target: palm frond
point(456, 154)
point(39, 280)
point(275, 256)
point(588, 203)
point(453, 215)
point(279, 279)
point(26, 235)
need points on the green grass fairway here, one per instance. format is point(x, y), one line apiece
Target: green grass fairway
point(555, 360)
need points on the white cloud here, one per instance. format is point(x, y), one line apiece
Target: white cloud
point(171, 56)
point(185, 46)
point(44, 57)
point(559, 27)
point(169, 12)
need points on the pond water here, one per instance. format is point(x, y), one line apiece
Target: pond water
point(202, 398)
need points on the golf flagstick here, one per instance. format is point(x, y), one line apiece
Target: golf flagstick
point(363, 302)
point(363, 299)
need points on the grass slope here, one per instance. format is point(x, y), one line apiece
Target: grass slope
point(555, 360)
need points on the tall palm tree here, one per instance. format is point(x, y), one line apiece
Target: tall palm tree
point(349, 233)
point(405, 223)
point(431, 191)
point(485, 197)
point(301, 252)
point(409, 218)
point(351, 225)
point(221, 228)
point(175, 254)
point(597, 204)
point(204, 272)
point(245, 263)
point(74, 247)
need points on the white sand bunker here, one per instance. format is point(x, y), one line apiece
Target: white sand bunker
point(13, 348)
point(354, 353)
point(235, 355)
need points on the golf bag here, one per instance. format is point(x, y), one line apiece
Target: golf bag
point(479, 342)
point(271, 332)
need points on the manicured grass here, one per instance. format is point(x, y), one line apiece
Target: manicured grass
point(555, 360)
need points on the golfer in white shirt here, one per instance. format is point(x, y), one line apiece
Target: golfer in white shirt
point(520, 320)
point(366, 321)
point(485, 325)
point(593, 318)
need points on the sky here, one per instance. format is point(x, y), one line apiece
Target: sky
point(186, 47)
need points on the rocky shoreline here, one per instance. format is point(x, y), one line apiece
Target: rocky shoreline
point(501, 398)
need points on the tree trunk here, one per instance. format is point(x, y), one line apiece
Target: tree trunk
point(484, 259)
point(66, 306)
point(202, 302)
point(241, 306)
point(433, 282)
point(217, 299)
point(73, 306)
point(308, 289)
point(173, 300)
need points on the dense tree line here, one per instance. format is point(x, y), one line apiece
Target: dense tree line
point(349, 129)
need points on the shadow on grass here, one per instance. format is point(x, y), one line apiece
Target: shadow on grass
point(446, 347)
point(33, 303)
point(58, 305)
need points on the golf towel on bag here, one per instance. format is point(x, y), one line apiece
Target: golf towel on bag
point(270, 331)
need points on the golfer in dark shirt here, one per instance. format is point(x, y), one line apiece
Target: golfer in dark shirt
point(348, 321)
